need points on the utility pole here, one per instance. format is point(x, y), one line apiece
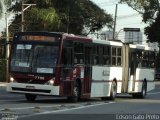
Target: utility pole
point(22, 12)
point(115, 20)
point(7, 46)
point(7, 32)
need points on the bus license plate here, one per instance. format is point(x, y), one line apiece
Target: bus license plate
point(30, 87)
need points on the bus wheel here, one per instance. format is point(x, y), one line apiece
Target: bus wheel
point(143, 92)
point(76, 93)
point(30, 97)
point(113, 91)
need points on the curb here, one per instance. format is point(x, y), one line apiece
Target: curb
point(3, 84)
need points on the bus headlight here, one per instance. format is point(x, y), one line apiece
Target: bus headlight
point(50, 82)
point(12, 79)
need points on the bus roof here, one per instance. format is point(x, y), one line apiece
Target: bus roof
point(143, 47)
point(65, 35)
point(85, 39)
point(37, 32)
point(115, 43)
point(77, 37)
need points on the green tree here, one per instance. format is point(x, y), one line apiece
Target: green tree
point(72, 16)
point(150, 10)
point(4, 4)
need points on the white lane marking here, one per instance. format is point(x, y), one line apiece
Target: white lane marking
point(81, 107)
point(17, 108)
point(67, 109)
point(153, 93)
point(22, 108)
point(12, 100)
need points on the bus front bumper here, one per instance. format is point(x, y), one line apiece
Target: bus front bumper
point(33, 89)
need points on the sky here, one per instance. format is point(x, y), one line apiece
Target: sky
point(126, 16)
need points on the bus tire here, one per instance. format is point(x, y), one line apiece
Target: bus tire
point(113, 91)
point(76, 93)
point(30, 97)
point(143, 92)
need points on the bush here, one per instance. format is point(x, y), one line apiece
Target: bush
point(2, 70)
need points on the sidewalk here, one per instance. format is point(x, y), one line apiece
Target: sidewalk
point(3, 84)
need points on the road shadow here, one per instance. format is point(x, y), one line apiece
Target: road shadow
point(57, 100)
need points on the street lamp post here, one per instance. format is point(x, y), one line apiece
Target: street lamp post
point(24, 7)
point(116, 35)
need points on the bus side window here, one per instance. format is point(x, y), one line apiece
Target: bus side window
point(67, 57)
point(139, 58)
point(66, 61)
point(75, 60)
point(116, 54)
point(96, 55)
point(78, 53)
point(106, 55)
point(152, 58)
point(119, 56)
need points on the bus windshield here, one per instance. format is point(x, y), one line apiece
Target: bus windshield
point(34, 58)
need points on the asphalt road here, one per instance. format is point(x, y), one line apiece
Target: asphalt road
point(14, 106)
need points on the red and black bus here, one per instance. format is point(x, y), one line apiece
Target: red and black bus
point(61, 64)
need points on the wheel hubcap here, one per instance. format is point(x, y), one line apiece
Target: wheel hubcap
point(114, 90)
point(144, 92)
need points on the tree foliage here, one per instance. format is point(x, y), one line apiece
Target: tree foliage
point(153, 30)
point(42, 19)
point(72, 16)
point(4, 4)
point(149, 9)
